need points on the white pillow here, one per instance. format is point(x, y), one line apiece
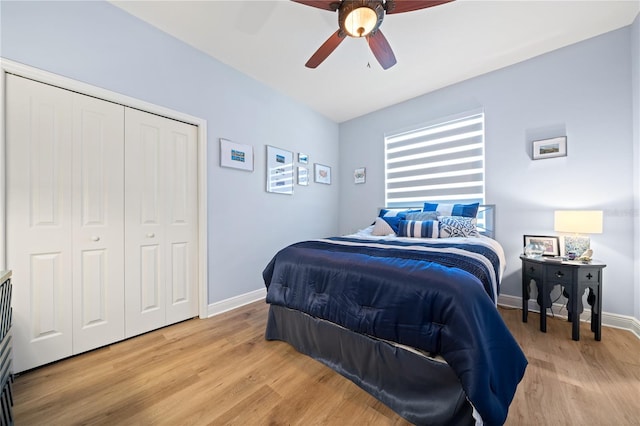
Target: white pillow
point(457, 226)
point(381, 228)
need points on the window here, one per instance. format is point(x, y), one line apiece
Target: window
point(440, 162)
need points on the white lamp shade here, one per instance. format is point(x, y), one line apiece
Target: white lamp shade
point(578, 221)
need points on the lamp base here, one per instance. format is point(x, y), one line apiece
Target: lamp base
point(576, 244)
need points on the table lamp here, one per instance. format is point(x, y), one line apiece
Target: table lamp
point(577, 222)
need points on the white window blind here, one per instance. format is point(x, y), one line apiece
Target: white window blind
point(441, 162)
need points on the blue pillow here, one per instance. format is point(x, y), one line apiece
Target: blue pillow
point(418, 228)
point(464, 210)
point(393, 216)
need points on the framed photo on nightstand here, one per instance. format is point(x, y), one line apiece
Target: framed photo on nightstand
point(551, 244)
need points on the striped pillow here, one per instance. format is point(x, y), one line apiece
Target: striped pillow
point(418, 228)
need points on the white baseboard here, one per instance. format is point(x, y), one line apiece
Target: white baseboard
point(610, 320)
point(226, 305)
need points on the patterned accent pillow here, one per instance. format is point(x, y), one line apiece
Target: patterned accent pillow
point(464, 210)
point(457, 226)
point(418, 228)
point(422, 216)
point(393, 216)
point(381, 228)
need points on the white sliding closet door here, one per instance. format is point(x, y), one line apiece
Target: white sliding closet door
point(160, 221)
point(64, 156)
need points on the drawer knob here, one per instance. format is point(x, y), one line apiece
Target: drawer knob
point(589, 276)
point(531, 269)
point(95, 238)
point(559, 274)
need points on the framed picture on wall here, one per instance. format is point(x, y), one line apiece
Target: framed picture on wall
point(360, 175)
point(303, 158)
point(279, 170)
point(549, 148)
point(236, 155)
point(322, 174)
point(303, 176)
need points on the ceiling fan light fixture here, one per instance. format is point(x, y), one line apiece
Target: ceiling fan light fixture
point(360, 22)
point(361, 17)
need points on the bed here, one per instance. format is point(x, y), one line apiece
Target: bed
point(406, 309)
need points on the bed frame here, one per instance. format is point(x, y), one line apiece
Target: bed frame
point(423, 390)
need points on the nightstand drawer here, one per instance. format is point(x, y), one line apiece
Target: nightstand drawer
point(559, 274)
point(532, 270)
point(589, 275)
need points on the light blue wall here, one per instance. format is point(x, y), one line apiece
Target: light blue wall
point(582, 91)
point(99, 44)
point(587, 91)
point(635, 85)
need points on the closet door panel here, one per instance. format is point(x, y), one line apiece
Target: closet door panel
point(98, 223)
point(150, 275)
point(38, 173)
point(181, 221)
point(144, 238)
point(161, 212)
point(46, 286)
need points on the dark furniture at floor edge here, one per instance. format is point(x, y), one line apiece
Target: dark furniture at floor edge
point(575, 277)
point(6, 355)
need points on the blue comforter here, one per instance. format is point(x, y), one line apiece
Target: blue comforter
point(438, 300)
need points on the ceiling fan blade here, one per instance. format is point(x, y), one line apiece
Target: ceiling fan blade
point(400, 6)
point(325, 50)
point(381, 49)
point(331, 5)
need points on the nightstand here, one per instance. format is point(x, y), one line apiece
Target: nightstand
point(575, 277)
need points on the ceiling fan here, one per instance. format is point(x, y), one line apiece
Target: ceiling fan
point(362, 18)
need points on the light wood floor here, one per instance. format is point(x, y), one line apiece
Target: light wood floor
point(221, 371)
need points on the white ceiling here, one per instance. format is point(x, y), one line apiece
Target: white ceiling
point(435, 47)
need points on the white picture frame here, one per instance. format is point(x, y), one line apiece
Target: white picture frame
point(322, 174)
point(303, 176)
point(360, 175)
point(280, 172)
point(236, 155)
point(303, 158)
point(549, 148)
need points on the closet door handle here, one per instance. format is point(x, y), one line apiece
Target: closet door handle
point(151, 235)
point(95, 238)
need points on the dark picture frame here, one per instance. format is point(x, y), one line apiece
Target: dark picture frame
point(550, 243)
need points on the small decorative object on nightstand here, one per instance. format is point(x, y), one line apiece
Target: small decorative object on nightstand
point(575, 277)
